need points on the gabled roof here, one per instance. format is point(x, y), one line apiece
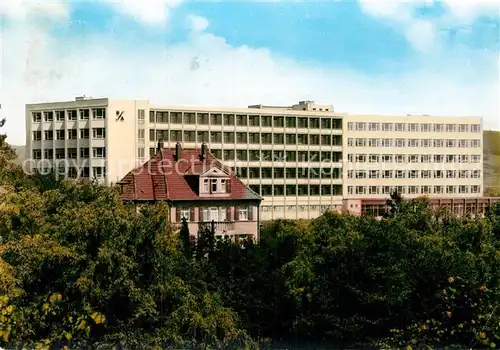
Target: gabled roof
point(164, 177)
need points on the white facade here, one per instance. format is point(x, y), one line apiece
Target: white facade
point(297, 157)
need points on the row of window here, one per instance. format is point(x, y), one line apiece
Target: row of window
point(413, 127)
point(413, 189)
point(401, 142)
point(289, 173)
point(244, 137)
point(70, 134)
point(70, 153)
point(414, 158)
point(216, 186)
point(83, 172)
point(217, 214)
point(272, 155)
point(69, 114)
point(414, 174)
point(193, 118)
point(293, 208)
point(297, 190)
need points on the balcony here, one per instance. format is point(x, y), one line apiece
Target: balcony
point(221, 227)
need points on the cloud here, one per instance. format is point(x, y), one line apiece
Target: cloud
point(198, 23)
point(149, 12)
point(207, 70)
point(20, 10)
point(422, 33)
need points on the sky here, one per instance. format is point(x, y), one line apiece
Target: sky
point(379, 57)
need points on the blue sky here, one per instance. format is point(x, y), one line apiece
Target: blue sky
point(365, 56)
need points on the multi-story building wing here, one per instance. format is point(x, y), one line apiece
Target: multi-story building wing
point(292, 156)
point(89, 138)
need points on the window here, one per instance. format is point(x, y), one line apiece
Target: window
point(400, 174)
point(438, 158)
point(141, 134)
point(37, 154)
point(387, 174)
point(214, 214)
point(71, 113)
point(438, 189)
point(425, 174)
point(426, 127)
point(37, 117)
point(438, 143)
point(360, 174)
point(373, 142)
point(426, 189)
point(99, 113)
point(84, 114)
point(99, 172)
point(60, 153)
point(463, 127)
point(475, 143)
point(463, 189)
point(99, 133)
point(475, 128)
point(386, 190)
point(48, 116)
point(413, 189)
point(374, 126)
point(413, 127)
point(350, 189)
point(360, 158)
point(60, 116)
point(463, 158)
point(450, 158)
point(213, 186)
point(350, 174)
point(141, 152)
point(374, 174)
point(475, 188)
point(206, 187)
point(387, 158)
point(450, 174)
point(413, 158)
point(84, 152)
point(141, 116)
point(463, 174)
point(350, 141)
point(360, 190)
point(185, 214)
point(413, 174)
point(243, 213)
point(48, 135)
point(374, 158)
point(450, 143)
point(476, 158)
point(360, 126)
point(400, 158)
point(350, 126)
point(413, 142)
point(374, 190)
point(99, 152)
point(387, 142)
point(360, 142)
point(426, 142)
point(425, 158)
point(37, 135)
point(463, 143)
point(72, 153)
point(84, 133)
point(450, 128)
point(476, 174)
point(387, 127)
point(48, 153)
point(450, 189)
point(400, 142)
point(400, 127)
point(438, 174)
point(72, 135)
point(438, 127)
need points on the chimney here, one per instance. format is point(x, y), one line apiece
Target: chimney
point(203, 152)
point(160, 146)
point(178, 150)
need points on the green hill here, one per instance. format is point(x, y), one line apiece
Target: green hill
point(491, 153)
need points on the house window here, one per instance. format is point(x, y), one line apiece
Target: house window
point(214, 185)
point(99, 152)
point(214, 214)
point(243, 213)
point(206, 187)
point(99, 113)
point(185, 214)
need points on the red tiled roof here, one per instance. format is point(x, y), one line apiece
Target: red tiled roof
point(165, 178)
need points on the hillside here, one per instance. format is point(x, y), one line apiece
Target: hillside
point(491, 163)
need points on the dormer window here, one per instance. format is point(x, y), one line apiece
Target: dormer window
point(214, 185)
point(206, 187)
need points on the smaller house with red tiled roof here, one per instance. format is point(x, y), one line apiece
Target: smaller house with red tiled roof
point(197, 187)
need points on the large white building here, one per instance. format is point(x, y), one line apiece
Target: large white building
point(302, 159)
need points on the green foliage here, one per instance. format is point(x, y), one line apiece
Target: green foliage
point(80, 269)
